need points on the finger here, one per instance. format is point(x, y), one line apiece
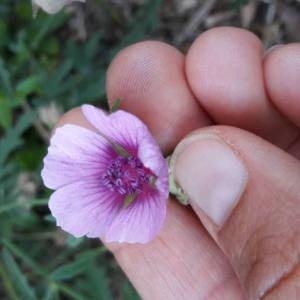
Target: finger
point(282, 77)
point(150, 78)
point(183, 262)
point(224, 70)
point(246, 193)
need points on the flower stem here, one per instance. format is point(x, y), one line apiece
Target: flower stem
point(174, 188)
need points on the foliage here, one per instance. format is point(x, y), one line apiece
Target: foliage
point(42, 63)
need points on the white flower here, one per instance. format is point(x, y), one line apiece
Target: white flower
point(51, 6)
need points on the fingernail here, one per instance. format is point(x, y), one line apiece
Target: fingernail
point(269, 50)
point(212, 176)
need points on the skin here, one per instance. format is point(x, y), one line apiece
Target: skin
point(251, 101)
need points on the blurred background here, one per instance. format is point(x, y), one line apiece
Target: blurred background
point(53, 63)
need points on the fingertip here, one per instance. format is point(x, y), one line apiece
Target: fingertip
point(149, 77)
point(76, 117)
point(223, 68)
point(270, 50)
point(135, 71)
point(211, 173)
point(282, 77)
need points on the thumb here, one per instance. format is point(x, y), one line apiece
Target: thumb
point(246, 193)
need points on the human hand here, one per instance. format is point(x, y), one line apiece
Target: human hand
point(240, 240)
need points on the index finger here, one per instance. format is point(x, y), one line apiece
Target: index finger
point(150, 78)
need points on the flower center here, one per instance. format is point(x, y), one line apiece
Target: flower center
point(127, 176)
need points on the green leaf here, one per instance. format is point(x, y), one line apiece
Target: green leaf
point(92, 89)
point(24, 257)
point(29, 157)
point(42, 27)
point(28, 204)
point(12, 139)
point(5, 80)
point(49, 218)
point(7, 284)
point(51, 293)
point(4, 33)
point(5, 112)
point(7, 170)
point(70, 270)
point(129, 293)
point(68, 290)
point(27, 86)
point(73, 242)
point(96, 284)
point(17, 277)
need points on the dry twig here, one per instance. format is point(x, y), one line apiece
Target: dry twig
point(195, 21)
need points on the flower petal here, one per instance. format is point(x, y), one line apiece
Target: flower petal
point(52, 6)
point(121, 127)
point(75, 153)
point(84, 208)
point(150, 155)
point(140, 221)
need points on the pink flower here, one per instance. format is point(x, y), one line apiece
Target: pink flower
point(110, 183)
